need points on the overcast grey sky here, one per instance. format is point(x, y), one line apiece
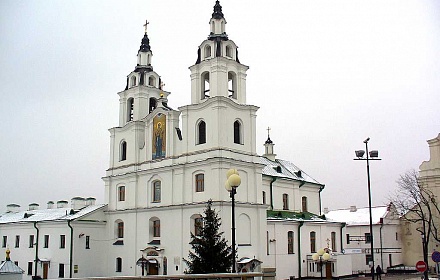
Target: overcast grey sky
point(325, 74)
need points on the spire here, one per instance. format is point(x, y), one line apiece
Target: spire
point(268, 148)
point(145, 45)
point(217, 14)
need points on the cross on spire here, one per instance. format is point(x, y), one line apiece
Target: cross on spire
point(146, 25)
point(268, 129)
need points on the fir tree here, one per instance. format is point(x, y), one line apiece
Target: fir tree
point(211, 252)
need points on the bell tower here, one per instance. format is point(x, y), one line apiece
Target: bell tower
point(217, 71)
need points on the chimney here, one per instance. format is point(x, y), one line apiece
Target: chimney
point(353, 208)
point(50, 204)
point(90, 201)
point(77, 203)
point(33, 206)
point(62, 204)
point(13, 208)
point(326, 210)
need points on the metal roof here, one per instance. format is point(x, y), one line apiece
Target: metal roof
point(288, 170)
point(57, 214)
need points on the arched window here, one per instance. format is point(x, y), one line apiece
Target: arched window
point(237, 133)
point(304, 204)
point(229, 51)
point(152, 81)
point(201, 133)
point(118, 264)
point(200, 182)
point(244, 230)
point(333, 240)
point(232, 85)
point(133, 81)
point(130, 109)
point(312, 242)
point(121, 193)
point(207, 51)
point(153, 104)
point(123, 151)
point(119, 229)
point(290, 242)
point(285, 201)
point(156, 191)
point(205, 85)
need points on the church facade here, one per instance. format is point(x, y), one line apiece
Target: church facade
point(165, 164)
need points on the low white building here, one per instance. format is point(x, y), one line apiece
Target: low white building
point(56, 242)
point(387, 239)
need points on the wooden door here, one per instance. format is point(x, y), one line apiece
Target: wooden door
point(45, 270)
point(328, 270)
point(153, 269)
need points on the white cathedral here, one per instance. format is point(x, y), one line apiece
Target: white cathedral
point(165, 164)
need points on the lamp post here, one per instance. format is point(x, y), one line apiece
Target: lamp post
point(372, 155)
point(322, 256)
point(231, 185)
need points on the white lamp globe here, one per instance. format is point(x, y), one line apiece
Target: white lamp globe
point(315, 257)
point(326, 256)
point(321, 252)
point(230, 172)
point(234, 180)
point(227, 186)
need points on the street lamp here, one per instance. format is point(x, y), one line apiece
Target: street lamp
point(231, 185)
point(322, 256)
point(372, 155)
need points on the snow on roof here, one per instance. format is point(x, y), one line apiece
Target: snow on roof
point(47, 214)
point(288, 170)
point(359, 217)
point(9, 267)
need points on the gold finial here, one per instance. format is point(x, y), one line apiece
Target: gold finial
point(161, 95)
point(8, 252)
point(146, 25)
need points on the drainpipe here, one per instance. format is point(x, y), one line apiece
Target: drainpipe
point(320, 190)
point(301, 223)
point(271, 192)
point(342, 241)
point(36, 249)
point(381, 254)
point(71, 249)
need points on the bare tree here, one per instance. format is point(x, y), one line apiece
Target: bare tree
point(417, 204)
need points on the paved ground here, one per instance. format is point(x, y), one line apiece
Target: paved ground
point(415, 276)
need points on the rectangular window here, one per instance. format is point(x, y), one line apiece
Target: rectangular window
point(285, 201)
point(368, 259)
point(397, 236)
point(333, 237)
point(156, 191)
point(264, 197)
point(367, 237)
point(4, 241)
point(290, 242)
point(29, 270)
point(87, 242)
point(62, 241)
point(198, 224)
point(121, 193)
point(200, 182)
point(304, 203)
point(348, 238)
point(121, 230)
point(156, 228)
point(61, 270)
point(31, 241)
point(17, 241)
point(46, 241)
point(313, 242)
point(267, 242)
